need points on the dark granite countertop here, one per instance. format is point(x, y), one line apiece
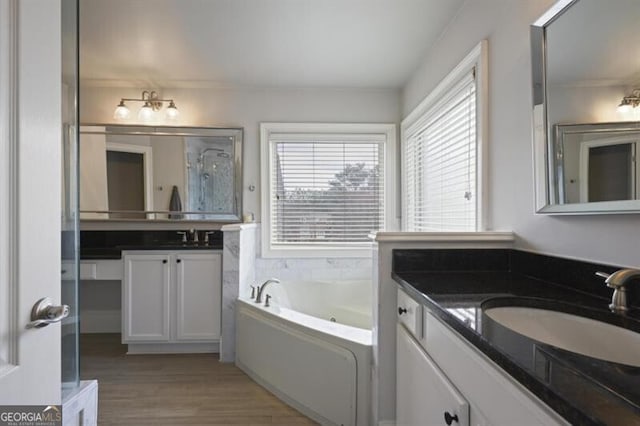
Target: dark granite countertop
point(111, 244)
point(161, 246)
point(116, 252)
point(584, 390)
point(100, 253)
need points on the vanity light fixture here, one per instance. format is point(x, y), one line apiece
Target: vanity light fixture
point(151, 103)
point(630, 102)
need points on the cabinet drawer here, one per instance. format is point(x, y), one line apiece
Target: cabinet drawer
point(88, 270)
point(111, 269)
point(410, 314)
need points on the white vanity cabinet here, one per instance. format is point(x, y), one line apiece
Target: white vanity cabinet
point(438, 371)
point(424, 395)
point(145, 298)
point(171, 297)
point(198, 296)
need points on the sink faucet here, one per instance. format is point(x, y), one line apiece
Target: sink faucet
point(261, 288)
point(618, 281)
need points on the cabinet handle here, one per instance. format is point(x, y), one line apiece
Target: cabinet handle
point(448, 418)
point(402, 311)
point(178, 260)
point(164, 260)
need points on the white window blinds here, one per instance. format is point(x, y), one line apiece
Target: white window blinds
point(440, 163)
point(325, 189)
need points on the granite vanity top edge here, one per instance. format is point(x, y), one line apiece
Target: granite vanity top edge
point(115, 253)
point(168, 247)
point(555, 401)
point(106, 256)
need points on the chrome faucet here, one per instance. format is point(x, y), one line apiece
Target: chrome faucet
point(261, 288)
point(618, 281)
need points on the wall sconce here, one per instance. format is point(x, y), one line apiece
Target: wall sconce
point(630, 102)
point(151, 104)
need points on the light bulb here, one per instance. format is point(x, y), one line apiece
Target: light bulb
point(146, 112)
point(121, 112)
point(624, 107)
point(172, 111)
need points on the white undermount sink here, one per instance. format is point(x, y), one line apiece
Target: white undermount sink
point(571, 332)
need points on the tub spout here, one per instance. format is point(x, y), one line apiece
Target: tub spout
point(261, 288)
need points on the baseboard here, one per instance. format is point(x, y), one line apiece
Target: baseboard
point(100, 321)
point(172, 348)
point(80, 405)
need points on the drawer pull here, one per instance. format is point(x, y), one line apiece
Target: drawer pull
point(448, 418)
point(164, 260)
point(178, 260)
point(402, 311)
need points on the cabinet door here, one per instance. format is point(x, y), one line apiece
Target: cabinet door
point(502, 400)
point(424, 395)
point(145, 298)
point(199, 294)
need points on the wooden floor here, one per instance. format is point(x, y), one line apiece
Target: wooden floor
point(176, 389)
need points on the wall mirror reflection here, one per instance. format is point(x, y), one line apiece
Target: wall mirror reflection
point(160, 173)
point(597, 162)
point(586, 70)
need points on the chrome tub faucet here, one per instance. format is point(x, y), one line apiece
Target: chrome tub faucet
point(262, 287)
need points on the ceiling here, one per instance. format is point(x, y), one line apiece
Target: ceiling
point(257, 43)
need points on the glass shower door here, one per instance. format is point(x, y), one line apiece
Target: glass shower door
point(69, 213)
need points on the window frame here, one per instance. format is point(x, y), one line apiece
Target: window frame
point(388, 130)
point(417, 118)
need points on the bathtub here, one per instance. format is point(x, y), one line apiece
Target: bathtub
point(311, 348)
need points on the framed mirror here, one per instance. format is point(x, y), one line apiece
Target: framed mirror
point(586, 70)
point(160, 173)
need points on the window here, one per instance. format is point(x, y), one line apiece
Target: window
point(325, 187)
point(441, 151)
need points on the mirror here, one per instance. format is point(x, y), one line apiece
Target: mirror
point(596, 163)
point(586, 69)
point(160, 173)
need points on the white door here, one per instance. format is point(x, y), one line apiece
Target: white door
point(30, 167)
point(146, 298)
point(199, 296)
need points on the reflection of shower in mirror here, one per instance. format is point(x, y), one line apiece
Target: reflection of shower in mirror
point(210, 176)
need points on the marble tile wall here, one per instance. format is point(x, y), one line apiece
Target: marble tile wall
point(305, 269)
point(238, 269)
point(80, 405)
point(317, 269)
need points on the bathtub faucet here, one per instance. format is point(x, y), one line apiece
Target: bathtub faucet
point(261, 288)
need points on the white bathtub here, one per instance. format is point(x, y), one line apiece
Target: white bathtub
point(311, 348)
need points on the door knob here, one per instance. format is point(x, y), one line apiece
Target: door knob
point(44, 312)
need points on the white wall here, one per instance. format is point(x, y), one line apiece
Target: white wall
point(247, 108)
point(505, 23)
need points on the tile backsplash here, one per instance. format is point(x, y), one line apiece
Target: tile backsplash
point(316, 269)
point(311, 269)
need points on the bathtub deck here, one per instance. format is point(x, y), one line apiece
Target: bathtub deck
point(176, 389)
